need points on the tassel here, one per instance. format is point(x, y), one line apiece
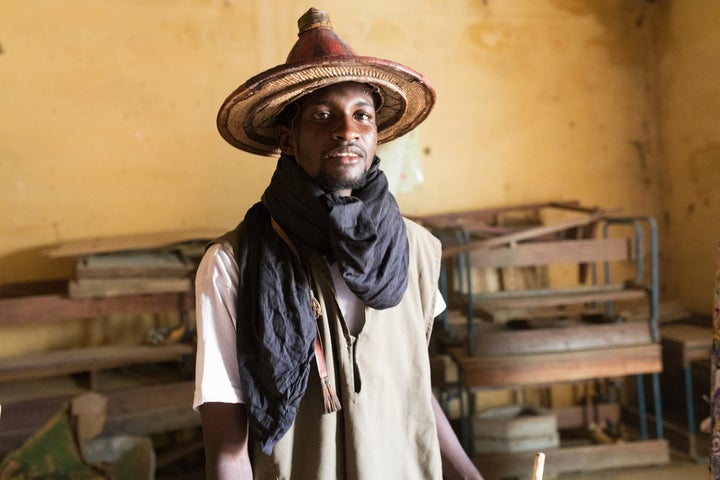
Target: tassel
point(315, 305)
point(330, 398)
point(331, 403)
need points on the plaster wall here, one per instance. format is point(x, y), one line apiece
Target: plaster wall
point(688, 46)
point(109, 109)
point(108, 115)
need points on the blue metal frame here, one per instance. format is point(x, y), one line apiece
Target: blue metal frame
point(654, 308)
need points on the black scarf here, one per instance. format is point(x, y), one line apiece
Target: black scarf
point(364, 233)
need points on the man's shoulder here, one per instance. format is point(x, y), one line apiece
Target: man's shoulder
point(230, 240)
point(415, 228)
point(255, 219)
point(417, 234)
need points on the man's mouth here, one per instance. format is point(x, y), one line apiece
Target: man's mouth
point(348, 154)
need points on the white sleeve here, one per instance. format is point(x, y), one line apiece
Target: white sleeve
point(440, 304)
point(216, 369)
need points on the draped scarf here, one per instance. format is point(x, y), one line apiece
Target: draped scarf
point(276, 329)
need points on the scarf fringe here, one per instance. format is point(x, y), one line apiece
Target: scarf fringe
point(330, 398)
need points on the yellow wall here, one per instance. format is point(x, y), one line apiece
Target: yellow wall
point(688, 68)
point(108, 113)
point(108, 109)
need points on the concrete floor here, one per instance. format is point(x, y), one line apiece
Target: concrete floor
point(679, 468)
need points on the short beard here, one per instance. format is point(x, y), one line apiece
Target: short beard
point(332, 184)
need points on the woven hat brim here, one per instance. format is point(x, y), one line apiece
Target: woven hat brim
point(246, 118)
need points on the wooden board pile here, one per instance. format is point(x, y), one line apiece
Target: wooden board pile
point(128, 273)
point(515, 428)
point(132, 265)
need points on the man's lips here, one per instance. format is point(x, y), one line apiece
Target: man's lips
point(348, 153)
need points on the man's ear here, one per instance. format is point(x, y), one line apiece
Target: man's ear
point(285, 140)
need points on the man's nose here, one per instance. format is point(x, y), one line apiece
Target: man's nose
point(345, 129)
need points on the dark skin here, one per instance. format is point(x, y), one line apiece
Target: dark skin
point(333, 138)
point(225, 436)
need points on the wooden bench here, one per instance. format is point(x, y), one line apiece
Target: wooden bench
point(682, 344)
point(544, 356)
point(541, 334)
point(88, 360)
point(591, 254)
point(148, 383)
point(48, 303)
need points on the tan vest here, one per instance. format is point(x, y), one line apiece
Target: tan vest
point(386, 428)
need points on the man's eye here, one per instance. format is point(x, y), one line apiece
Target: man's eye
point(322, 115)
point(364, 116)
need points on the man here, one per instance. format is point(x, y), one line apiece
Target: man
point(314, 314)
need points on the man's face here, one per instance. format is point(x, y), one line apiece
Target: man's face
point(334, 136)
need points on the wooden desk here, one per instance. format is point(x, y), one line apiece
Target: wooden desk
point(682, 344)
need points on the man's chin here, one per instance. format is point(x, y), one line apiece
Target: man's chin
point(337, 183)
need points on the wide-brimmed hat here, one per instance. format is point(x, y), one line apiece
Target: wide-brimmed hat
point(320, 58)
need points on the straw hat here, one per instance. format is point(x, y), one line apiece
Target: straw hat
point(320, 58)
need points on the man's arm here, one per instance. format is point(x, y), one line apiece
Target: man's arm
point(225, 435)
point(456, 464)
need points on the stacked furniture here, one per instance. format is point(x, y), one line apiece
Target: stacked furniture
point(148, 381)
point(556, 293)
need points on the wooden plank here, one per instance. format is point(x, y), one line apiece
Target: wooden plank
point(584, 458)
point(485, 215)
point(150, 397)
point(61, 362)
point(669, 311)
point(133, 264)
point(116, 287)
point(54, 308)
point(525, 234)
point(132, 411)
point(161, 420)
point(152, 409)
point(482, 215)
point(547, 368)
point(539, 317)
point(553, 252)
point(142, 241)
point(675, 431)
point(680, 439)
point(686, 343)
point(556, 297)
point(693, 336)
point(502, 341)
point(580, 416)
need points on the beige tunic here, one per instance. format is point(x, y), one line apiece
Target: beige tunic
point(386, 428)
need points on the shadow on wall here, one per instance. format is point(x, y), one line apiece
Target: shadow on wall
point(33, 264)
